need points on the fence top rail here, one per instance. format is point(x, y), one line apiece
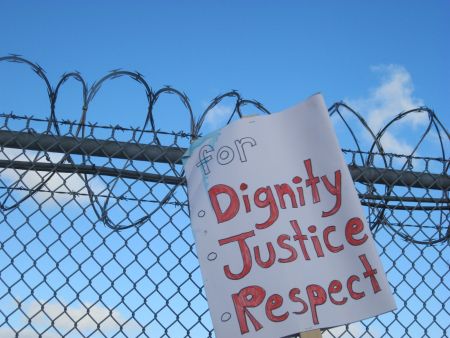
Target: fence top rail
point(171, 155)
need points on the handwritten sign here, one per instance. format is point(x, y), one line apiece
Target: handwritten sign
point(279, 229)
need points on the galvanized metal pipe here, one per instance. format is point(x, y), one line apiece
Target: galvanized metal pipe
point(164, 154)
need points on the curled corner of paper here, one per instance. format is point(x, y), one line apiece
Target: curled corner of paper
point(198, 142)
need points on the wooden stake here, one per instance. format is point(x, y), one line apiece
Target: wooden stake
point(311, 334)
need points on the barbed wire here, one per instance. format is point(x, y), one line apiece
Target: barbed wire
point(377, 194)
point(59, 179)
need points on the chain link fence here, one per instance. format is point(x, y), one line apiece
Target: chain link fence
point(95, 237)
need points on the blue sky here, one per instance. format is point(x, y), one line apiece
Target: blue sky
point(276, 52)
point(380, 56)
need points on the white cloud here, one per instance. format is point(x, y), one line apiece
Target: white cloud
point(50, 318)
point(6, 332)
point(86, 316)
point(392, 144)
point(62, 183)
point(218, 116)
point(394, 95)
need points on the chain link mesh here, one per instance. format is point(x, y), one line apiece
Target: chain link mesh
point(95, 237)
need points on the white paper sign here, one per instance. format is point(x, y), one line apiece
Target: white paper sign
point(280, 232)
